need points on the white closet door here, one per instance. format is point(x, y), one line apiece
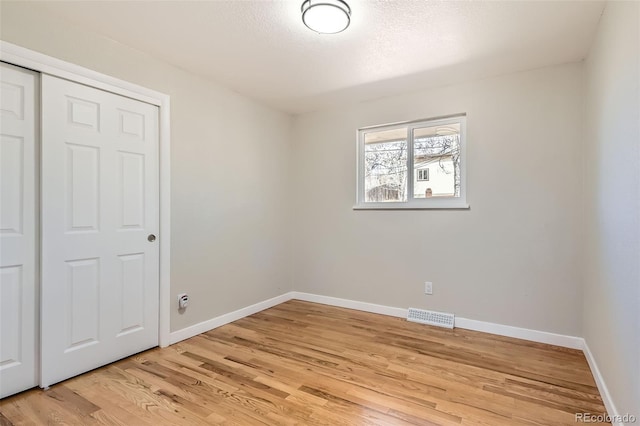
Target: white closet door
point(100, 264)
point(18, 247)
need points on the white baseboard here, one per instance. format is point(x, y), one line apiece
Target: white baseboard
point(216, 322)
point(487, 327)
point(469, 324)
point(602, 387)
point(521, 333)
point(350, 304)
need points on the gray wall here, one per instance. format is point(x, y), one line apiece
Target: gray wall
point(612, 172)
point(229, 169)
point(514, 258)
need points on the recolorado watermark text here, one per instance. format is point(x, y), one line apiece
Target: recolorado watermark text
point(604, 418)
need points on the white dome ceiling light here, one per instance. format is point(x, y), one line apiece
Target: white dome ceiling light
point(326, 16)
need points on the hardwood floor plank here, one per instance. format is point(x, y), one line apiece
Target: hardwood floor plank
point(67, 398)
point(5, 421)
point(301, 363)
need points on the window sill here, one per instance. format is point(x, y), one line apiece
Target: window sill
point(412, 206)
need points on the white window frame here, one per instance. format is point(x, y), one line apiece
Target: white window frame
point(423, 172)
point(414, 203)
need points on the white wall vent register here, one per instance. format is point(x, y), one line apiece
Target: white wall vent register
point(439, 319)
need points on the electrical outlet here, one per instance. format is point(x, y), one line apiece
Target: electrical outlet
point(428, 287)
point(183, 301)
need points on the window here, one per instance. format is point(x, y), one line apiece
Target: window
point(415, 165)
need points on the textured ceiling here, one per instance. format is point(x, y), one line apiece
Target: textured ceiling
point(263, 50)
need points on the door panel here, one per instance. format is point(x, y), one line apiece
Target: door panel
point(12, 173)
point(82, 305)
point(100, 280)
point(18, 313)
point(130, 199)
point(131, 292)
point(83, 191)
point(11, 298)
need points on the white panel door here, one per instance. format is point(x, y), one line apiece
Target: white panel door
point(18, 311)
point(100, 271)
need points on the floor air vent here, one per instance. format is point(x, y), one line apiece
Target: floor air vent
point(438, 319)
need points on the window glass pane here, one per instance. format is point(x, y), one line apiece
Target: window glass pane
point(385, 166)
point(436, 161)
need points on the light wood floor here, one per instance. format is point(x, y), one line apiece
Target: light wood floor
point(309, 364)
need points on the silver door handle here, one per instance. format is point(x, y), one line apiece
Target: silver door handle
point(151, 238)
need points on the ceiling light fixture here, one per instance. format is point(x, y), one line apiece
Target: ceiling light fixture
point(326, 16)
